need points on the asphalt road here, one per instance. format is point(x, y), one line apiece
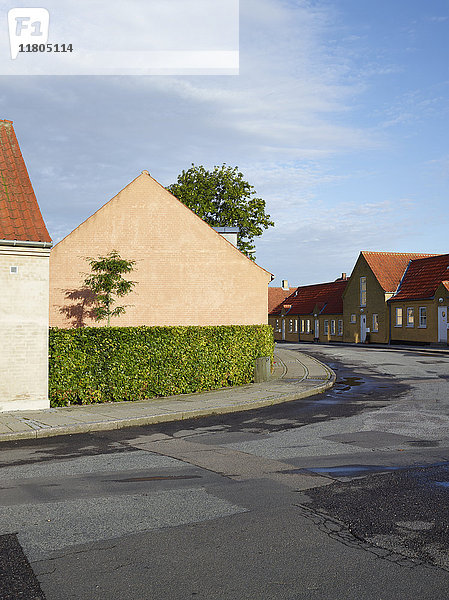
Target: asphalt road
point(340, 496)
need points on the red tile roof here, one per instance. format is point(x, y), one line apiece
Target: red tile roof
point(389, 267)
point(422, 278)
point(276, 295)
point(20, 217)
point(327, 296)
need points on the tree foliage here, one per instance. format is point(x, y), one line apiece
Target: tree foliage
point(223, 198)
point(107, 283)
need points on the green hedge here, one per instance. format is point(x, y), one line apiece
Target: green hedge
point(112, 364)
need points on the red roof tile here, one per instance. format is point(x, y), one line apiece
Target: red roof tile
point(276, 295)
point(422, 277)
point(327, 296)
point(389, 267)
point(20, 217)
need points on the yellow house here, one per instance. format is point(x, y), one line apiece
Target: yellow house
point(186, 273)
point(311, 313)
point(419, 307)
point(374, 280)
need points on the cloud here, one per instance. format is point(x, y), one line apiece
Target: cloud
point(440, 167)
point(319, 241)
point(85, 138)
point(302, 121)
point(413, 106)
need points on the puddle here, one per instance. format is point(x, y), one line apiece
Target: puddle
point(156, 478)
point(348, 470)
point(347, 383)
point(444, 484)
point(327, 400)
point(424, 443)
point(362, 470)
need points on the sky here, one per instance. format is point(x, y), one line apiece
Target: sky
point(338, 118)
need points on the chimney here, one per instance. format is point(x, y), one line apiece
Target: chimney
point(229, 233)
point(343, 276)
point(285, 284)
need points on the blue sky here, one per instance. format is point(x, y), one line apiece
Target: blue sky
point(339, 118)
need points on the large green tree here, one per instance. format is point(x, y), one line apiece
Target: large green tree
point(106, 281)
point(223, 198)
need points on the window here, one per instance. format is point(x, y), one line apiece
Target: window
point(277, 327)
point(301, 327)
point(422, 316)
point(307, 325)
point(340, 326)
point(13, 270)
point(375, 322)
point(296, 325)
point(398, 322)
point(353, 318)
point(290, 326)
point(410, 317)
point(333, 327)
point(326, 326)
point(362, 291)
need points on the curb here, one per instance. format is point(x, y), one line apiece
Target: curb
point(433, 350)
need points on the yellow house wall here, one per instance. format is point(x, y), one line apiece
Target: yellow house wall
point(186, 273)
point(276, 323)
point(295, 336)
point(307, 337)
point(375, 304)
point(329, 337)
point(428, 334)
point(291, 336)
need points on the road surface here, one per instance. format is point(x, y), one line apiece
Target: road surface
point(343, 495)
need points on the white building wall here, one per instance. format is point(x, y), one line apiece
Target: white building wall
point(24, 328)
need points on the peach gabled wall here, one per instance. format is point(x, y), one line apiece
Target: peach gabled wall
point(186, 273)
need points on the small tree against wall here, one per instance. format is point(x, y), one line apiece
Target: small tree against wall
point(106, 281)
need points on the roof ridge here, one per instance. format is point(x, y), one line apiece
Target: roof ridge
point(432, 256)
point(426, 254)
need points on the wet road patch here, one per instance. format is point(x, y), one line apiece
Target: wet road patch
point(370, 439)
point(156, 478)
point(347, 471)
point(17, 578)
point(403, 510)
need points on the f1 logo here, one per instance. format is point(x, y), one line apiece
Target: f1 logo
point(27, 26)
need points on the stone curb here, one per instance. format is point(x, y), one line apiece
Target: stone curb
point(164, 417)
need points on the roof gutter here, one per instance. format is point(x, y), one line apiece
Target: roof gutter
point(26, 244)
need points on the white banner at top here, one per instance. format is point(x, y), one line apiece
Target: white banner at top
point(113, 37)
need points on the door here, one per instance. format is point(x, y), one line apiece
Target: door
point(283, 329)
point(442, 324)
point(317, 329)
point(363, 328)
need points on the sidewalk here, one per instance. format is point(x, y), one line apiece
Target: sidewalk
point(295, 376)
